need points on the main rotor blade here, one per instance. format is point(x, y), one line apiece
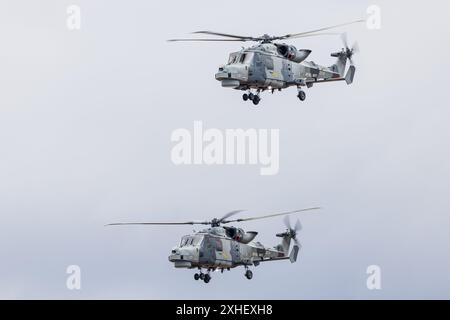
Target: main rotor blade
point(296, 35)
point(157, 223)
point(355, 47)
point(320, 34)
point(192, 40)
point(244, 38)
point(287, 222)
point(229, 214)
point(270, 215)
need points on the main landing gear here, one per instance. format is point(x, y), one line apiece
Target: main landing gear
point(248, 273)
point(206, 277)
point(252, 97)
point(202, 276)
point(301, 95)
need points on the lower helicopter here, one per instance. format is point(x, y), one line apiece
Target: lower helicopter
point(222, 247)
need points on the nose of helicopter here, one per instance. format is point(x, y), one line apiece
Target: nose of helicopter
point(232, 76)
point(182, 257)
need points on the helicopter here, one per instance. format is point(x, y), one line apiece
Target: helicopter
point(220, 247)
point(271, 66)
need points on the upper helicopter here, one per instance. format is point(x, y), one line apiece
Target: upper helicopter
point(222, 247)
point(271, 66)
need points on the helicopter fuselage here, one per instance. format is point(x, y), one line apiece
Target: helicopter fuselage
point(270, 66)
point(225, 248)
point(264, 67)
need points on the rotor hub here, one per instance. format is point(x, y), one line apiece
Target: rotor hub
point(215, 222)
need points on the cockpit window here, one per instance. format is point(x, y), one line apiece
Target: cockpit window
point(240, 58)
point(237, 57)
point(184, 241)
point(197, 240)
point(233, 58)
point(248, 57)
point(190, 240)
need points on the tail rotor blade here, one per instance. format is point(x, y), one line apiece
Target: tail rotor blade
point(351, 61)
point(298, 226)
point(355, 47)
point(287, 222)
point(344, 39)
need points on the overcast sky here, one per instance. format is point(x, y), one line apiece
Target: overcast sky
point(85, 123)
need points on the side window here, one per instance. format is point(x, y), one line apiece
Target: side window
point(219, 246)
point(258, 59)
point(208, 242)
point(242, 58)
point(248, 57)
point(268, 61)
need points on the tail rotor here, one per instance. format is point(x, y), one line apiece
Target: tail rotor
point(293, 231)
point(349, 51)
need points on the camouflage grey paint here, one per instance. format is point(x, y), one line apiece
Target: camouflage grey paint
point(216, 250)
point(268, 69)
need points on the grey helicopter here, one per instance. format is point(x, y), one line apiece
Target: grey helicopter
point(271, 66)
point(220, 247)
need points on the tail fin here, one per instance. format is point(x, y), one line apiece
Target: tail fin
point(350, 74)
point(288, 235)
point(294, 253)
point(341, 62)
point(285, 243)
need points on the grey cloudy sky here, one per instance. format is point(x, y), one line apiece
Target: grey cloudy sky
point(85, 124)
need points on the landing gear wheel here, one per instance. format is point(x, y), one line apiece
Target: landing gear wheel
point(207, 278)
point(256, 100)
point(245, 97)
point(248, 274)
point(202, 276)
point(301, 95)
point(251, 96)
point(196, 276)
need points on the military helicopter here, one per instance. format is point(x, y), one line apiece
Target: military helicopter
point(224, 247)
point(275, 66)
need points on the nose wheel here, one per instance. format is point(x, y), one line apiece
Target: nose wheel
point(249, 274)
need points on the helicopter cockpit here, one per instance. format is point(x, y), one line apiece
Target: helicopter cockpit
point(236, 70)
